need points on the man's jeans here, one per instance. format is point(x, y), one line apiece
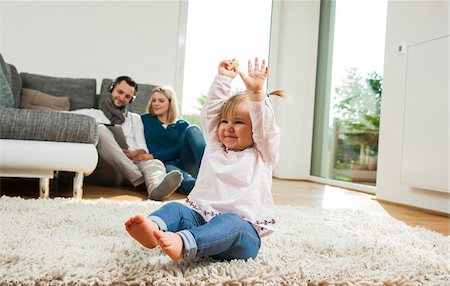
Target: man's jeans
point(190, 158)
point(225, 237)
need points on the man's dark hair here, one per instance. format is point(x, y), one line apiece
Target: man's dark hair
point(127, 79)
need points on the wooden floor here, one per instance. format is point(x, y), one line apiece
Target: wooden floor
point(284, 192)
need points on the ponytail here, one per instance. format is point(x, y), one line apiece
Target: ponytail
point(278, 92)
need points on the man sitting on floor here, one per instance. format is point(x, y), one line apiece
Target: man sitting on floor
point(133, 162)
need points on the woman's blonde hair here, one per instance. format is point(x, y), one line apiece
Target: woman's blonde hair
point(230, 105)
point(169, 93)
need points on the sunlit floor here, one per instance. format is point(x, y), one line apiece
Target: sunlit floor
point(285, 192)
point(329, 197)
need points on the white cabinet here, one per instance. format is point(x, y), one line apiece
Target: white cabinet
point(425, 150)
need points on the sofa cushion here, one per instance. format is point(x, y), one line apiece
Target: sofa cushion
point(139, 105)
point(27, 124)
point(81, 91)
point(33, 99)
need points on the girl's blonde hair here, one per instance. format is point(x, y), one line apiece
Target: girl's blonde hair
point(230, 105)
point(169, 93)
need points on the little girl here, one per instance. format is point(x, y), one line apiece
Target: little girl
point(231, 205)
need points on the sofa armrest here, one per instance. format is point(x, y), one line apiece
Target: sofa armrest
point(26, 124)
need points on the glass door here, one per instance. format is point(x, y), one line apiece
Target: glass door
point(348, 90)
point(218, 30)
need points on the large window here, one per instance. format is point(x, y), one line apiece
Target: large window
point(218, 30)
point(348, 90)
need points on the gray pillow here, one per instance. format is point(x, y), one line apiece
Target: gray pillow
point(33, 99)
point(16, 85)
point(6, 96)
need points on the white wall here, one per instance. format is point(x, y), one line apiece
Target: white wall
point(293, 57)
point(409, 22)
point(93, 39)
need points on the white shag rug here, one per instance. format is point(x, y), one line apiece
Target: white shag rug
point(78, 242)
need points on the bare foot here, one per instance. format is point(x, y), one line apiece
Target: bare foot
point(171, 243)
point(141, 229)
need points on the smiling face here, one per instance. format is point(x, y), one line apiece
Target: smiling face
point(235, 128)
point(122, 94)
point(160, 104)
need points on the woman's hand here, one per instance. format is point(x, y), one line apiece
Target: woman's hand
point(256, 76)
point(223, 69)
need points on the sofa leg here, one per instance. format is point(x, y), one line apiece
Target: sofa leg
point(44, 188)
point(78, 185)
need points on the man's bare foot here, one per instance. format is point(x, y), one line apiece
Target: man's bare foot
point(141, 229)
point(171, 243)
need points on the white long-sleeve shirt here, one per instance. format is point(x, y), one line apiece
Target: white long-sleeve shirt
point(97, 114)
point(132, 127)
point(237, 182)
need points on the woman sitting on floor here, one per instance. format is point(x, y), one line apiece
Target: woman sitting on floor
point(178, 144)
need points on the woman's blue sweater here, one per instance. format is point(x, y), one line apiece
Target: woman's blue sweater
point(164, 143)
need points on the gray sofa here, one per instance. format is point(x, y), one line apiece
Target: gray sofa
point(39, 143)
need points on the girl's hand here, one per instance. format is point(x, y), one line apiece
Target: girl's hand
point(256, 76)
point(222, 69)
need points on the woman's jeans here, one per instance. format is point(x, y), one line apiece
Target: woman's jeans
point(225, 237)
point(190, 158)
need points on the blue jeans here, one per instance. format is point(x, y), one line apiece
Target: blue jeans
point(190, 158)
point(225, 237)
